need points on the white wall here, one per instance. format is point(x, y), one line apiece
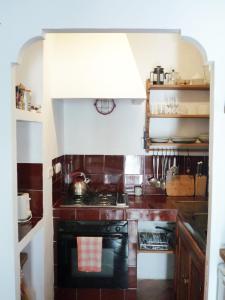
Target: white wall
point(95, 65)
point(203, 21)
point(88, 132)
point(29, 142)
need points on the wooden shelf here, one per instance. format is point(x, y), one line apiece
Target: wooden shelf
point(165, 116)
point(156, 251)
point(196, 87)
point(28, 116)
point(195, 146)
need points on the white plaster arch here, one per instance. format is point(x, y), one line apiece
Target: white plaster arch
point(28, 43)
point(198, 45)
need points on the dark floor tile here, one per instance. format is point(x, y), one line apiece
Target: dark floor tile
point(132, 277)
point(65, 294)
point(92, 294)
point(109, 294)
point(131, 294)
point(155, 290)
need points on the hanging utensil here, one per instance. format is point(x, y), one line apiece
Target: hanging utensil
point(163, 181)
point(157, 184)
point(162, 167)
point(188, 164)
point(152, 180)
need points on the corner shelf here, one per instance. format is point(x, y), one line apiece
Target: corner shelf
point(29, 116)
point(178, 116)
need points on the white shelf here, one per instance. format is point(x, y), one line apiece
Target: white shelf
point(28, 116)
point(29, 236)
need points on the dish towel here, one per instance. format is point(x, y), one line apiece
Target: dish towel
point(89, 254)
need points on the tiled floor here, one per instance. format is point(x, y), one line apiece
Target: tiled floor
point(155, 290)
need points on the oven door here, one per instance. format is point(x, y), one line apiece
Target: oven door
point(114, 270)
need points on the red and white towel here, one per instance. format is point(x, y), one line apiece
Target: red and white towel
point(89, 254)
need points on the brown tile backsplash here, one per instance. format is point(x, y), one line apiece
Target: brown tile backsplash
point(94, 164)
point(29, 176)
point(29, 180)
point(114, 164)
point(113, 173)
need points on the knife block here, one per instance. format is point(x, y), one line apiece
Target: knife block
point(200, 185)
point(180, 185)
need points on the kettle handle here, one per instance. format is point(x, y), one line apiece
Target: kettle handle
point(80, 174)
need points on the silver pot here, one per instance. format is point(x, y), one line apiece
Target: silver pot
point(79, 186)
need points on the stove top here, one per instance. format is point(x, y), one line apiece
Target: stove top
point(97, 200)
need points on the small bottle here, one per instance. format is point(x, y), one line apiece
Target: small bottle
point(27, 100)
point(173, 77)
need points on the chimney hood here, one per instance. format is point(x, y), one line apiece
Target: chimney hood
point(92, 65)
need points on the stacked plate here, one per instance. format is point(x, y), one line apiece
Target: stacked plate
point(160, 140)
point(204, 137)
point(185, 140)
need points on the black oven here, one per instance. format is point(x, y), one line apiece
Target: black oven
point(114, 261)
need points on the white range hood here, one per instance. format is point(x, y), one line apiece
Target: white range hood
point(92, 65)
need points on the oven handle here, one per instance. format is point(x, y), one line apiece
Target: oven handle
point(105, 236)
point(115, 236)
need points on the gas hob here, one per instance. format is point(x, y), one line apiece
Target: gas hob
point(96, 200)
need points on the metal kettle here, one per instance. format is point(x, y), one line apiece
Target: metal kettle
point(79, 185)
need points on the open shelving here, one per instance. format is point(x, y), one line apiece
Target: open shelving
point(184, 117)
point(29, 168)
point(22, 115)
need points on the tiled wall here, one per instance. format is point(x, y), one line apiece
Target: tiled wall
point(29, 179)
point(116, 172)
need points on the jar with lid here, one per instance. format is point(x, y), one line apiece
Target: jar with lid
point(137, 190)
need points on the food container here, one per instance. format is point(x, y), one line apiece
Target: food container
point(137, 190)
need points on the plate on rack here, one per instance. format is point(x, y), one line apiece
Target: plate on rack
point(184, 140)
point(160, 140)
point(204, 137)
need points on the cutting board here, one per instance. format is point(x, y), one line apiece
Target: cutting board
point(200, 185)
point(180, 185)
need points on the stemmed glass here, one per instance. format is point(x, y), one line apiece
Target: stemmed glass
point(169, 105)
point(175, 105)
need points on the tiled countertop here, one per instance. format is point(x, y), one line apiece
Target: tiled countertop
point(147, 202)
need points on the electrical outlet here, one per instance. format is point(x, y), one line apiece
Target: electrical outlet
point(57, 168)
point(50, 172)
